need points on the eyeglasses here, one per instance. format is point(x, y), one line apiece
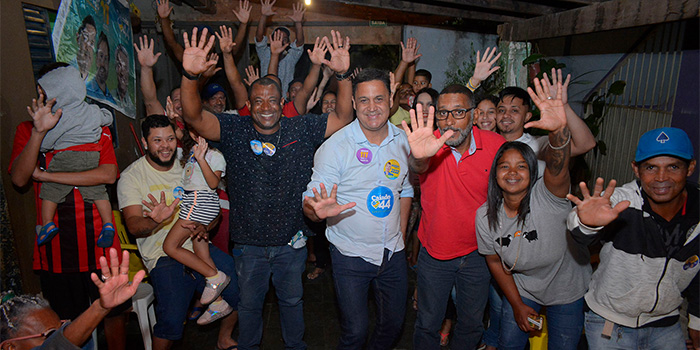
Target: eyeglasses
point(45, 334)
point(459, 113)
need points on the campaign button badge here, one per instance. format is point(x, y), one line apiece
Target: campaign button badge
point(364, 155)
point(256, 146)
point(392, 169)
point(380, 201)
point(269, 148)
point(691, 262)
point(178, 192)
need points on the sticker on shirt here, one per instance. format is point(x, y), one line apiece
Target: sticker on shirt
point(364, 155)
point(178, 192)
point(256, 146)
point(691, 262)
point(269, 148)
point(392, 169)
point(189, 170)
point(380, 201)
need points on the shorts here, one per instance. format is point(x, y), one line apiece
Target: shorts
point(199, 206)
point(71, 162)
point(69, 294)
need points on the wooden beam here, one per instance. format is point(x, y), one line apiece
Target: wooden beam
point(615, 14)
point(524, 8)
point(407, 6)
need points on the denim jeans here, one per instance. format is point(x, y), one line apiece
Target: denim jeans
point(564, 326)
point(648, 338)
point(495, 303)
point(435, 280)
point(353, 277)
point(255, 265)
point(174, 286)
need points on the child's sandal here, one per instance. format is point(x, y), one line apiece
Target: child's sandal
point(106, 237)
point(46, 233)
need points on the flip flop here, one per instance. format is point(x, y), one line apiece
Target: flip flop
point(315, 273)
point(106, 237)
point(195, 313)
point(46, 233)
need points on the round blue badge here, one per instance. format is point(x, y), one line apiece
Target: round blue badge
point(380, 201)
point(178, 192)
point(256, 146)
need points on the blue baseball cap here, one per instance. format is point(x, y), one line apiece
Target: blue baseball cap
point(664, 142)
point(211, 90)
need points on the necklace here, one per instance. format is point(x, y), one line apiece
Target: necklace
point(258, 147)
point(517, 254)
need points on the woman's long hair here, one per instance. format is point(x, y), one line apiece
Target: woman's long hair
point(495, 193)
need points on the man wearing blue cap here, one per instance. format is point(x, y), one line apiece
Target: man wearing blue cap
point(214, 98)
point(649, 260)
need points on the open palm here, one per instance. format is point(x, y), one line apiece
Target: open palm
point(421, 139)
point(326, 206)
point(194, 58)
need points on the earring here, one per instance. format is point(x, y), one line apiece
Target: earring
point(145, 147)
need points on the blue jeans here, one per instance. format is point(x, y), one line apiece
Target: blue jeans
point(353, 277)
point(564, 325)
point(174, 286)
point(255, 265)
point(435, 280)
point(648, 338)
point(495, 303)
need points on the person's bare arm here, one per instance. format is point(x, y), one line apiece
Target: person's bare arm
point(164, 10)
point(199, 151)
point(195, 63)
point(243, 15)
point(142, 223)
point(147, 59)
point(340, 64)
point(409, 54)
point(582, 139)
point(103, 174)
point(510, 290)
point(411, 73)
point(276, 49)
point(240, 93)
point(557, 152)
point(266, 11)
point(298, 17)
point(316, 56)
point(44, 120)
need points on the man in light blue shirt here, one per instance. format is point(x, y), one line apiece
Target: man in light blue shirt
point(366, 165)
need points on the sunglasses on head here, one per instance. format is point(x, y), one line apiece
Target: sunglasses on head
point(45, 334)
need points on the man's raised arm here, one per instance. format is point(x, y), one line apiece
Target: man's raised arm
point(147, 59)
point(164, 10)
point(340, 64)
point(240, 93)
point(194, 63)
point(316, 56)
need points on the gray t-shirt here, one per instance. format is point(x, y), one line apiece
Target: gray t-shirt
point(551, 268)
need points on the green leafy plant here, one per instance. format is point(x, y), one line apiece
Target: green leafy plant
point(598, 105)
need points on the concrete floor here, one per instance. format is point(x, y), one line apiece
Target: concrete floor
point(320, 316)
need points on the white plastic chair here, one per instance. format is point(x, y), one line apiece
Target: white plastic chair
point(143, 307)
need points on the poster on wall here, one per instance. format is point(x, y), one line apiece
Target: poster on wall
point(95, 37)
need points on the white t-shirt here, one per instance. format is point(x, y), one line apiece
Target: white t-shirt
point(537, 143)
point(192, 177)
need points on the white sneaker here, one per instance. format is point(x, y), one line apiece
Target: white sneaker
point(214, 287)
point(215, 311)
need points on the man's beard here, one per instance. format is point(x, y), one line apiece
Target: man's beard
point(156, 159)
point(463, 134)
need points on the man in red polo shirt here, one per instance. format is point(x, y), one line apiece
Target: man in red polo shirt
point(454, 165)
point(65, 263)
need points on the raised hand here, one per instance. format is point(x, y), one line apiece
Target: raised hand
point(313, 100)
point(551, 87)
point(277, 46)
point(116, 289)
point(319, 52)
point(225, 36)
point(484, 65)
point(552, 112)
point(158, 211)
point(266, 7)
point(164, 8)
point(409, 53)
point(326, 206)
point(252, 74)
point(144, 52)
point(340, 54)
point(200, 149)
point(170, 110)
point(213, 69)
point(42, 117)
point(596, 209)
point(194, 58)
point(243, 13)
point(298, 14)
point(420, 135)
